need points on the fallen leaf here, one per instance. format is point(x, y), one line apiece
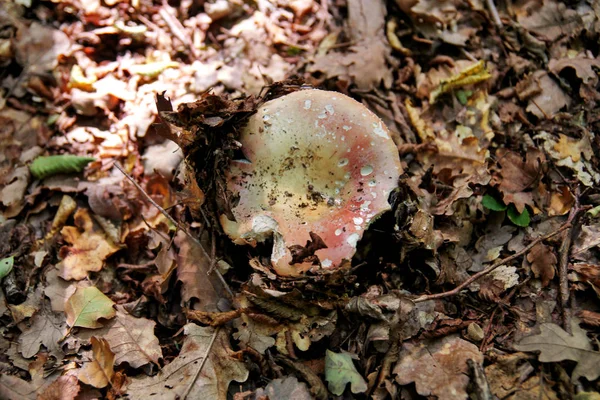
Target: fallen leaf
point(6, 265)
point(47, 328)
point(192, 266)
point(583, 68)
point(543, 263)
point(551, 100)
point(339, 371)
point(64, 388)
point(89, 247)
point(58, 290)
point(12, 195)
point(189, 375)
point(131, 339)
point(555, 344)
point(37, 47)
point(284, 388)
point(252, 333)
point(99, 371)
point(86, 306)
point(438, 367)
point(574, 148)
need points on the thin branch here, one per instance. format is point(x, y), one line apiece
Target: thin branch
point(204, 358)
point(494, 12)
point(492, 267)
point(563, 266)
point(177, 224)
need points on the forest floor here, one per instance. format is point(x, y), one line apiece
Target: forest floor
point(481, 282)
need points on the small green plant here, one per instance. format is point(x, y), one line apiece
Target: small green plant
point(520, 219)
point(45, 166)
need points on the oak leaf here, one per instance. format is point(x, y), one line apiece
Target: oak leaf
point(555, 344)
point(47, 328)
point(86, 306)
point(339, 371)
point(131, 339)
point(90, 246)
point(438, 368)
point(100, 370)
point(64, 388)
point(543, 263)
point(192, 266)
point(189, 375)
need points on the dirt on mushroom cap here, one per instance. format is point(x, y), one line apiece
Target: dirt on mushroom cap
point(316, 161)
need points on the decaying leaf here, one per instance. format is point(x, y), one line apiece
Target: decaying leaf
point(64, 388)
point(189, 375)
point(438, 368)
point(339, 371)
point(555, 344)
point(86, 306)
point(192, 266)
point(255, 334)
point(131, 339)
point(285, 388)
point(89, 247)
point(100, 370)
point(47, 328)
point(543, 263)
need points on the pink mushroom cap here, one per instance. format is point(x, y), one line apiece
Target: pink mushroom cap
point(316, 161)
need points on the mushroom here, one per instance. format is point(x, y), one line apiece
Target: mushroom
point(318, 165)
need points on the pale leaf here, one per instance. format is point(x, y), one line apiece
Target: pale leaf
point(555, 344)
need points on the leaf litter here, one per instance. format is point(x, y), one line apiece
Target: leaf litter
point(485, 271)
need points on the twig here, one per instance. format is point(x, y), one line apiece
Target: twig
point(563, 266)
point(177, 224)
point(492, 267)
point(494, 12)
point(204, 358)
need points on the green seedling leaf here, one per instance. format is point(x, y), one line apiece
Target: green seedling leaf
point(86, 306)
point(463, 96)
point(339, 371)
point(490, 202)
point(521, 219)
point(45, 166)
point(6, 265)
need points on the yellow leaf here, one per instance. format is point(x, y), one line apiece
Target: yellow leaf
point(100, 370)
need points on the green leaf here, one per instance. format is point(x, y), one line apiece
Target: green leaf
point(463, 96)
point(521, 219)
point(492, 203)
point(339, 371)
point(6, 265)
point(86, 306)
point(45, 166)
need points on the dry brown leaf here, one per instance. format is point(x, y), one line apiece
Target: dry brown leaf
point(365, 62)
point(284, 388)
point(15, 388)
point(438, 368)
point(89, 247)
point(131, 339)
point(550, 19)
point(552, 98)
point(581, 65)
point(255, 334)
point(555, 344)
point(100, 370)
point(193, 264)
point(47, 328)
point(12, 195)
point(588, 239)
point(183, 377)
point(543, 263)
point(516, 178)
point(37, 47)
point(58, 290)
point(64, 388)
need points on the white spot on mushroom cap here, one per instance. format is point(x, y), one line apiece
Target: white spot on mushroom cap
point(352, 239)
point(343, 162)
point(379, 130)
point(346, 128)
point(326, 263)
point(366, 170)
point(329, 109)
point(358, 220)
point(307, 104)
point(338, 232)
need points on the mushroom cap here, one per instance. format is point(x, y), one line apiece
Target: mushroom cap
point(316, 161)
